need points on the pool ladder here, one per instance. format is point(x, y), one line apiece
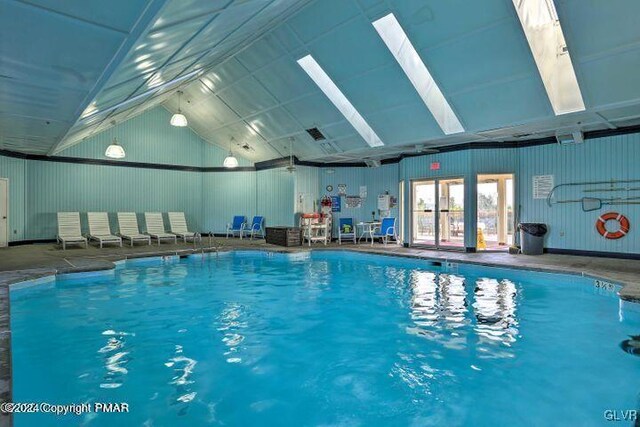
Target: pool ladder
point(198, 238)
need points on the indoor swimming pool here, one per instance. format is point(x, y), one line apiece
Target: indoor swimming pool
point(319, 338)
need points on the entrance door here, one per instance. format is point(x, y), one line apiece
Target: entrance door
point(4, 211)
point(438, 213)
point(495, 212)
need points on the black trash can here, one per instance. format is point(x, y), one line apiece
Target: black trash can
point(532, 237)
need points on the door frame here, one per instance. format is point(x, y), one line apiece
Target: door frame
point(6, 180)
point(514, 193)
point(401, 212)
point(436, 181)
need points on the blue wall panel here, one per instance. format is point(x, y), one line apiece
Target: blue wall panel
point(603, 159)
point(225, 195)
point(150, 138)
point(275, 196)
point(377, 180)
point(56, 187)
point(40, 189)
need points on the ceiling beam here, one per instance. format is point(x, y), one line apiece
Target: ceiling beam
point(142, 25)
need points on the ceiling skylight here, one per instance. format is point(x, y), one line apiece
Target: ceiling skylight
point(324, 82)
point(541, 26)
point(401, 48)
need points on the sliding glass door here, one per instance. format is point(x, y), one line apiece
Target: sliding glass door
point(438, 213)
point(423, 221)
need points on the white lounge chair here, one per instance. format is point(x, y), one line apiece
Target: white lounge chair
point(99, 229)
point(178, 226)
point(155, 227)
point(69, 230)
point(128, 228)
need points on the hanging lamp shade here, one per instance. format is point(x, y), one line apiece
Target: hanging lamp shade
point(115, 150)
point(178, 119)
point(230, 161)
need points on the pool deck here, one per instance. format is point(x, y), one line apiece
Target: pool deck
point(20, 263)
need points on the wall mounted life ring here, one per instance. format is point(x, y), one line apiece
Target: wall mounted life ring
point(623, 228)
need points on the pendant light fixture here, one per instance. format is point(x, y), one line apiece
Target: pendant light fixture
point(178, 119)
point(230, 161)
point(115, 150)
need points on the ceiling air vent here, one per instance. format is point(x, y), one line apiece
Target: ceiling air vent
point(316, 134)
point(571, 138)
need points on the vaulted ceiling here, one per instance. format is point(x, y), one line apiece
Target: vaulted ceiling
point(68, 72)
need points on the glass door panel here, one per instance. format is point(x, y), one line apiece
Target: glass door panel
point(451, 210)
point(423, 212)
point(495, 212)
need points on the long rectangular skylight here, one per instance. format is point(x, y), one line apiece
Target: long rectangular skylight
point(401, 48)
point(324, 82)
point(541, 26)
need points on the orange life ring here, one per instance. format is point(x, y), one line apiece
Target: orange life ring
point(612, 216)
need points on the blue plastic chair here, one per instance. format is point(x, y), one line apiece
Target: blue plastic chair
point(237, 226)
point(346, 232)
point(387, 229)
point(256, 228)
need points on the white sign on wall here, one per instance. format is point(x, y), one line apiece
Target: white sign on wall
point(542, 186)
point(363, 191)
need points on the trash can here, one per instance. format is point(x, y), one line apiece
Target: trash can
point(532, 237)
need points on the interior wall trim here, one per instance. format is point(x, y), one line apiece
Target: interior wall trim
point(120, 163)
point(284, 161)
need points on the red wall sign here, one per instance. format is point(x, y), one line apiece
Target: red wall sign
point(435, 166)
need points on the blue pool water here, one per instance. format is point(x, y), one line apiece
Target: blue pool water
point(253, 338)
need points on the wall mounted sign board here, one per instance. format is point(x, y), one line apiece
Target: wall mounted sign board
point(335, 204)
point(542, 186)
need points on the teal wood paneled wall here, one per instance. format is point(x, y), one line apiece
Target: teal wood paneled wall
point(55, 187)
point(149, 138)
point(377, 180)
point(616, 157)
point(225, 195)
point(15, 171)
point(40, 189)
point(275, 189)
point(458, 164)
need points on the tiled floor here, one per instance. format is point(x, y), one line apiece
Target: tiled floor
point(36, 260)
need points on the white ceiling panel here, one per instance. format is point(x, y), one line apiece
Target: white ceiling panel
point(120, 15)
point(314, 111)
point(117, 59)
point(274, 123)
point(155, 49)
point(509, 102)
point(247, 97)
point(315, 20)
point(51, 53)
point(405, 124)
point(432, 22)
point(176, 12)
